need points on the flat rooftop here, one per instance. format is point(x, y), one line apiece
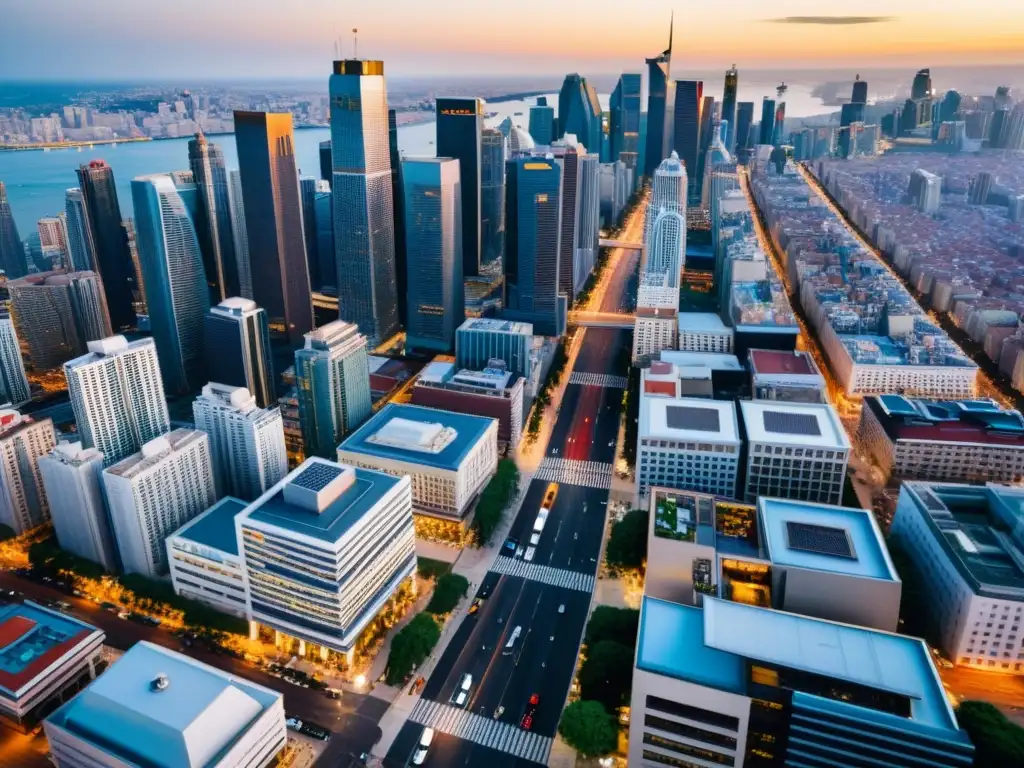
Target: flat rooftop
point(154, 452)
point(821, 537)
point(689, 419)
point(401, 432)
point(33, 638)
point(495, 325)
point(774, 362)
point(961, 421)
point(702, 322)
point(716, 361)
point(800, 424)
point(215, 528)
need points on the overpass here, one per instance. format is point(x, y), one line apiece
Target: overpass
point(602, 319)
point(606, 243)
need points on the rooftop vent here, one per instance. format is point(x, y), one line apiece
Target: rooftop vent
point(159, 683)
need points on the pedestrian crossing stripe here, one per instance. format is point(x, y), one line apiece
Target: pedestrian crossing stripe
point(486, 731)
point(592, 474)
point(555, 577)
point(598, 380)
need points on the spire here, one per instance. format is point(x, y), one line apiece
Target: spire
point(671, 23)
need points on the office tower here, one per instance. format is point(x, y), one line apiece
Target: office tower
point(950, 107)
point(492, 200)
point(246, 441)
point(74, 489)
point(117, 396)
point(153, 492)
point(177, 293)
point(686, 128)
point(707, 123)
point(716, 161)
point(238, 232)
point(213, 222)
point(333, 379)
point(23, 441)
point(12, 250)
point(767, 121)
point(53, 238)
point(349, 571)
point(273, 222)
point(479, 340)
point(579, 112)
point(237, 346)
point(778, 131)
point(624, 128)
point(533, 210)
point(744, 124)
point(567, 155)
point(13, 381)
point(664, 237)
point(588, 222)
point(58, 313)
point(326, 166)
point(434, 249)
point(307, 195)
point(922, 85)
point(397, 216)
point(860, 91)
point(363, 199)
point(81, 248)
point(459, 126)
point(732, 78)
point(668, 192)
point(542, 122)
point(323, 212)
point(113, 258)
point(658, 143)
point(851, 112)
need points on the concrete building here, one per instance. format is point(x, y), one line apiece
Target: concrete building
point(47, 657)
point(204, 559)
point(237, 346)
point(790, 377)
point(72, 479)
point(479, 340)
point(13, 381)
point(155, 706)
point(794, 450)
point(117, 396)
point(704, 332)
point(655, 329)
point(247, 442)
point(154, 492)
point(23, 503)
point(324, 550)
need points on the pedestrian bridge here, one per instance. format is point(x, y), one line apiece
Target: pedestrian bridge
point(606, 243)
point(602, 319)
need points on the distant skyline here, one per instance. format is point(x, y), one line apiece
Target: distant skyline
point(119, 39)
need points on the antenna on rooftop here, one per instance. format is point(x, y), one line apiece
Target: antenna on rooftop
point(355, 41)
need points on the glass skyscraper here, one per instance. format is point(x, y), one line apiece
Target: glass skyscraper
point(658, 74)
point(744, 122)
point(624, 130)
point(213, 224)
point(579, 112)
point(459, 126)
point(83, 251)
point(364, 223)
point(307, 193)
point(397, 215)
point(542, 121)
point(492, 199)
point(238, 348)
point(732, 80)
point(12, 250)
point(686, 130)
point(323, 212)
point(767, 121)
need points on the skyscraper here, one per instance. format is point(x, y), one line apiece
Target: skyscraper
point(779, 129)
point(492, 199)
point(542, 121)
point(433, 231)
point(744, 124)
point(323, 212)
point(213, 222)
point(707, 118)
point(665, 223)
point(860, 91)
point(397, 215)
point(333, 379)
point(767, 121)
point(238, 232)
point(12, 250)
point(53, 238)
point(686, 129)
point(80, 244)
point(460, 123)
point(58, 313)
point(114, 260)
point(624, 128)
point(13, 381)
point(273, 221)
point(117, 396)
point(177, 292)
point(922, 85)
point(326, 169)
point(658, 75)
point(23, 504)
point(588, 221)
point(364, 221)
point(567, 155)
point(246, 441)
point(237, 346)
point(579, 112)
point(307, 194)
point(732, 80)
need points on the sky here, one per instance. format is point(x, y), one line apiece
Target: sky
point(132, 40)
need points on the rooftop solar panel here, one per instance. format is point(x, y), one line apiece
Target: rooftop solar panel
point(316, 476)
point(819, 539)
point(696, 419)
point(791, 423)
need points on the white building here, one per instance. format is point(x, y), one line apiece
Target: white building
point(204, 559)
point(794, 451)
point(23, 504)
point(704, 332)
point(654, 331)
point(247, 442)
point(158, 707)
point(72, 477)
point(117, 395)
point(13, 381)
point(687, 443)
point(450, 457)
point(154, 492)
point(324, 550)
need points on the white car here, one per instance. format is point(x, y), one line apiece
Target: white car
point(534, 539)
point(421, 749)
point(461, 694)
point(530, 551)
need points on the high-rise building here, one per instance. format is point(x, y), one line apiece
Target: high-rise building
point(246, 441)
point(624, 128)
point(323, 211)
point(23, 504)
point(542, 121)
point(588, 219)
point(480, 340)
point(922, 85)
point(665, 222)
point(13, 381)
point(213, 222)
point(686, 130)
point(333, 378)
point(117, 396)
point(307, 194)
point(860, 91)
point(707, 133)
point(239, 234)
point(732, 79)
point(12, 250)
point(925, 191)
point(363, 198)
point(326, 166)
point(744, 124)
point(53, 238)
point(397, 216)
point(579, 112)
point(492, 200)
point(110, 240)
point(658, 143)
point(767, 121)
point(72, 478)
point(434, 246)
point(273, 222)
point(154, 492)
point(459, 126)
point(237, 346)
point(81, 248)
point(779, 129)
point(58, 313)
point(567, 155)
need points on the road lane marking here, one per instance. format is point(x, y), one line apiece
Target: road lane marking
point(604, 380)
point(485, 731)
point(546, 574)
point(591, 474)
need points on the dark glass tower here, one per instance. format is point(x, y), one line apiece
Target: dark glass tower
point(707, 119)
point(492, 199)
point(214, 221)
point(922, 86)
point(96, 181)
point(237, 347)
point(767, 121)
point(686, 130)
point(273, 221)
point(325, 160)
point(624, 129)
point(398, 197)
point(860, 91)
point(744, 122)
point(579, 112)
point(542, 121)
point(732, 81)
point(12, 250)
point(459, 125)
point(659, 71)
point(307, 193)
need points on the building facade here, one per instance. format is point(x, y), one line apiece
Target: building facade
point(12, 250)
point(492, 200)
point(579, 112)
point(81, 248)
point(686, 134)
point(624, 120)
point(704, 332)
point(213, 224)
point(656, 328)
point(460, 124)
point(479, 340)
point(13, 381)
point(237, 347)
point(23, 502)
point(239, 234)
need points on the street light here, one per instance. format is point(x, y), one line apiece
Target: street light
point(360, 681)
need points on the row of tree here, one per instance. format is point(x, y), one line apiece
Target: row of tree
point(501, 489)
point(543, 399)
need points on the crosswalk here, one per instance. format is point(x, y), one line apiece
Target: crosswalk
point(598, 380)
point(487, 731)
point(555, 577)
point(592, 474)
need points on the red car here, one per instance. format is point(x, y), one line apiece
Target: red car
point(531, 709)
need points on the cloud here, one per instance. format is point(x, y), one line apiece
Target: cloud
point(838, 21)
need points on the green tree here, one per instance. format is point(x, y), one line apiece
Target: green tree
point(411, 646)
point(607, 674)
point(495, 497)
point(617, 624)
point(588, 728)
point(431, 569)
point(997, 741)
point(48, 557)
point(449, 589)
point(627, 545)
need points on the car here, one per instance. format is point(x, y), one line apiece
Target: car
point(535, 539)
point(528, 555)
point(510, 645)
point(519, 551)
point(420, 682)
point(421, 748)
point(122, 614)
point(511, 544)
point(474, 607)
point(531, 709)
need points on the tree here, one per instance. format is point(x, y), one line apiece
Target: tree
point(588, 729)
point(627, 545)
point(411, 646)
point(607, 674)
point(495, 497)
point(48, 557)
point(617, 624)
point(997, 741)
point(449, 589)
point(6, 532)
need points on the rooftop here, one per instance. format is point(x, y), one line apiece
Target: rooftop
point(702, 322)
point(774, 362)
point(190, 722)
point(800, 424)
point(33, 638)
point(154, 452)
point(215, 528)
point(493, 324)
point(716, 361)
point(961, 421)
point(688, 419)
point(112, 345)
point(440, 373)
